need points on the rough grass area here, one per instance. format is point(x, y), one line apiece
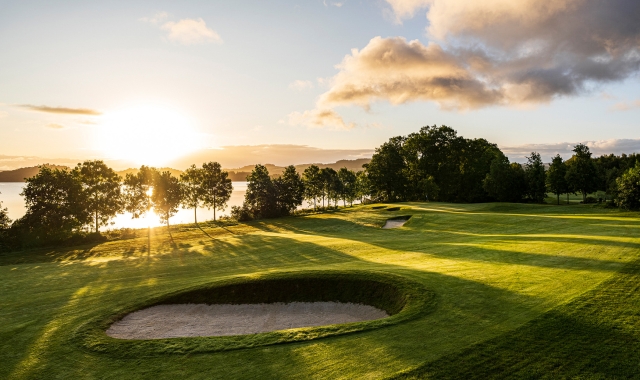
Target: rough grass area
point(401, 299)
point(511, 290)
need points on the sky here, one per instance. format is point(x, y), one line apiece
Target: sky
point(295, 81)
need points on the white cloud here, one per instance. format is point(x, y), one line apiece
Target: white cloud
point(626, 106)
point(319, 118)
point(405, 9)
point(565, 149)
point(186, 31)
point(156, 19)
point(300, 84)
point(190, 32)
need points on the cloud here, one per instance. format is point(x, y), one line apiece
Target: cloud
point(565, 149)
point(335, 4)
point(55, 126)
point(398, 71)
point(3, 114)
point(300, 84)
point(494, 52)
point(190, 32)
point(405, 9)
point(156, 19)
point(319, 118)
point(62, 110)
point(626, 106)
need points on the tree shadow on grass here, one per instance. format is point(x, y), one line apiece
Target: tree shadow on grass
point(597, 335)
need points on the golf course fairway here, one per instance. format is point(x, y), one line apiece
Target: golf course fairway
point(493, 290)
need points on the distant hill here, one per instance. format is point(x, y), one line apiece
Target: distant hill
point(19, 175)
point(240, 174)
point(174, 172)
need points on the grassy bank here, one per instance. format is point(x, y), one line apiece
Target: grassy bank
point(494, 271)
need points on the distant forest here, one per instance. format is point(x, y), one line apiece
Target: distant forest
point(433, 164)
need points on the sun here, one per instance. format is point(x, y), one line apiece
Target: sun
point(146, 135)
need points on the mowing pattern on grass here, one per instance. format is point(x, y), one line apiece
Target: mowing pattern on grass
point(402, 299)
point(597, 335)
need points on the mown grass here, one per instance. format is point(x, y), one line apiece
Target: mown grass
point(497, 272)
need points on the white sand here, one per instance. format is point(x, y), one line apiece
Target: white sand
point(395, 223)
point(188, 320)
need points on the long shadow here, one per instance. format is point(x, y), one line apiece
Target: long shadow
point(594, 336)
point(409, 241)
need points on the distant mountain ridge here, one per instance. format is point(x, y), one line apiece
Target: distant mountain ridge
point(238, 174)
point(19, 175)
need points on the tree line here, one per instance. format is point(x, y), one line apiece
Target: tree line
point(437, 164)
point(431, 164)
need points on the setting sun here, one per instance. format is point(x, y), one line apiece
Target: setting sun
point(146, 134)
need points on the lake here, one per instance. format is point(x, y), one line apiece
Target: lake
point(11, 199)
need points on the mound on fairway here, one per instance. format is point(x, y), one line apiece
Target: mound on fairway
point(190, 320)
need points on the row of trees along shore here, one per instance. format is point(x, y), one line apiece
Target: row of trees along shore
point(431, 164)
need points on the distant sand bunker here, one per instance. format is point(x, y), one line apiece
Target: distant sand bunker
point(395, 223)
point(190, 320)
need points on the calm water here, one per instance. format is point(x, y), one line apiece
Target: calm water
point(11, 199)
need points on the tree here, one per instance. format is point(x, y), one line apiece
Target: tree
point(166, 197)
point(347, 185)
point(628, 189)
point(55, 203)
point(289, 189)
point(363, 185)
point(536, 178)
point(312, 184)
point(260, 198)
point(217, 187)
point(193, 189)
point(138, 189)
point(505, 182)
point(102, 191)
point(556, 181)
point(5, 222)
point(386, 170)
point(330, 185)
point(581, 171)
point(430, 188)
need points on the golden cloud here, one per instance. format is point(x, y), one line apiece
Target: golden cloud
point(62, 110)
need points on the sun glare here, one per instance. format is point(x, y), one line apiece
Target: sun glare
point(146, 134)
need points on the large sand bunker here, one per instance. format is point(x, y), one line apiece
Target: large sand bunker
point(191, 320)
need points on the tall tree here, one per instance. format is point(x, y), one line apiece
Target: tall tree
point(556, 181)
point(217, 185)
point(348, 188)
point(363, 185)
point(260, 197)
point(289, 189)
point(312, 184)
point(102, 191)
point(5, 222)
point(628, 194)
point(56, 205)
point(581, 171)
point(505, 182)
point(536, 178)
point(386, 170)
point(166, 197)
point(138, 189)
point(330, 185)
point(193, 189)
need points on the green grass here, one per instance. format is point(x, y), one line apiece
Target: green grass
point(512, 290)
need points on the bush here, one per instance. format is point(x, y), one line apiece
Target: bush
point(241, 214)
point(590, 200)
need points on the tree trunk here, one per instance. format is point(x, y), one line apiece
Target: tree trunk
point(584, 197)
point(567, 198)
point(169, 228)
point(214, 207)
point(195, 215)
point(96, 214)
point(558, 198)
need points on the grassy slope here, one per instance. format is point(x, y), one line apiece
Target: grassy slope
point(494, 268)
